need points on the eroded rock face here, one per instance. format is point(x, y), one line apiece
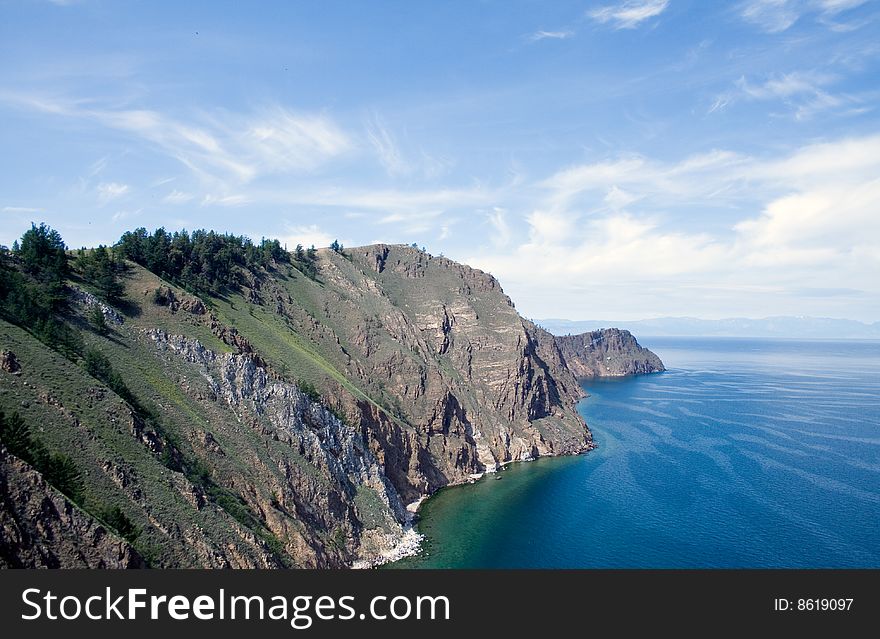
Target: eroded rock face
point(88, 300)
point(335, 451)
point(468, 383)
point(42, 529)
point(609, 352)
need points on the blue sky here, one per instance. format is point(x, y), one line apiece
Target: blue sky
point(608, 159)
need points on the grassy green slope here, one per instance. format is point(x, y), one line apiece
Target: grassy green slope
point(79, 415)
point(72, 413)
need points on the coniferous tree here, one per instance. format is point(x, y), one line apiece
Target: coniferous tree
point(102, 269)
point(96, 319)
point(42, 253)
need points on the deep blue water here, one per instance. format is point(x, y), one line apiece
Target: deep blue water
point(746, 453)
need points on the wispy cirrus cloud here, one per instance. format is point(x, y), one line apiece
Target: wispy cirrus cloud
point(224, 200)
point(392, 157)
point(386, 148)
point(805, 94)
point(216, 147)
point(629, 14)
point(537, 36)
point(775, 16)
point(177, 197)
point(387, 201)
point(124, 214)
point(108, 191)
point(623, 180)
point(501, 233)
point(21, 209)
point(279, 139)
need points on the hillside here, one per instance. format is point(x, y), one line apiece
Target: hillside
point(253, 408)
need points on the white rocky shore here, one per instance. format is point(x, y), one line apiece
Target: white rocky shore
point(408, 544)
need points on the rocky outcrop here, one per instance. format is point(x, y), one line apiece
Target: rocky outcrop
point(9, 362)
point(84, 298)
point(41, 528)
point(608, 352)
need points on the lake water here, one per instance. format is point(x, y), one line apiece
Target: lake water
point(746, 453)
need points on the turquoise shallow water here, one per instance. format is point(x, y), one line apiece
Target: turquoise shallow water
point(746, 453)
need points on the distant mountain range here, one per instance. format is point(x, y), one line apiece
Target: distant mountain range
point(782, 326)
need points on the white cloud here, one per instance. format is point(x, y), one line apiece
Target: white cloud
point(501, 234)
point(177, 197)
point(20, 209)
point(803, 92)
point(411, 223)
point(108, 191)
point(571, 181)
point(125, 214)
point(220, 147)
point(848, 161)
point(720, 103)
point(815, 229)
point(549, 228)
point(307, 235)
point(836, 6)
point(397, 218)
point(97, 167)
point(630, 178)
point(280, 139)
point(224, 200)
point(629, 14)
point(786, 85)
point(387, 201)
point(804, 220)
point(550, 35)
point(386, 148)
point(772, 16)
point(395, 161)
point(775, 16)
point(617, 199)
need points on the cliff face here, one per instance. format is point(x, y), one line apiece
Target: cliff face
point(287, 422)
point(468, 382)
point(609, 352)
point(42, 529)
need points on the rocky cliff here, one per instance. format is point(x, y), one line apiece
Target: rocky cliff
point(287, 420)
point(41, 528)
point(608, 352)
